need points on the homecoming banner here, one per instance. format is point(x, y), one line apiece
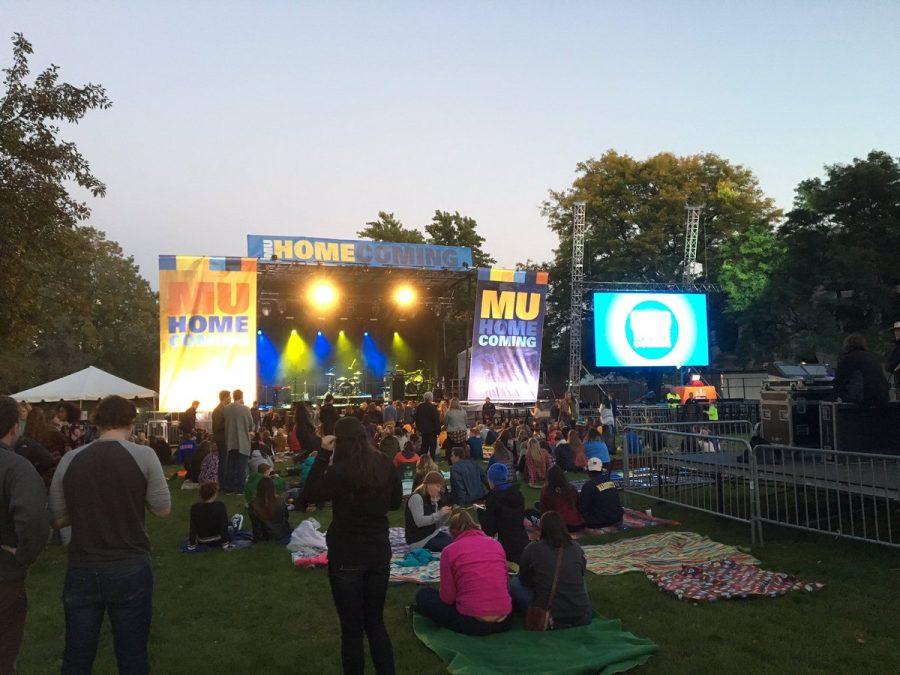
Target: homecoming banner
point(507, 335)
point(207, 329)
point(318, 251)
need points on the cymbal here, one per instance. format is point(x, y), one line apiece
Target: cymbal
point(357, 372)
point(342, 379)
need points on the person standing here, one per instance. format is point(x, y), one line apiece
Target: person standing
point(257, 418)
point(238, 423)
point(456, 422)
point(892, 362)
point(103, 489)
point(188, 421)
point(24, 529)
point(858, 377)
point(363, 486)
point(428, 423)
point(328, 415)
point(220, 434)
point(390, 413)
point(488, 410)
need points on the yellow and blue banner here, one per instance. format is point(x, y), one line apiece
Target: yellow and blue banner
point(319, 251)
point(207, 329)
point(508, 332)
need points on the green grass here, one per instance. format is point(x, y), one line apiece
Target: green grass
point(251, 611)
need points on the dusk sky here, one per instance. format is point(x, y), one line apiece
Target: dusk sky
point(308, 118)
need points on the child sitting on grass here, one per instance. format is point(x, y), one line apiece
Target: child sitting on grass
point(209, 519)
point(254, 479)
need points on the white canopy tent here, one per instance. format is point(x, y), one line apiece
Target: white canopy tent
point(89, 384)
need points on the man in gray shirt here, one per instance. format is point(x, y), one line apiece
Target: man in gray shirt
point(238, 425)
point(103, 490)
point(24, 527)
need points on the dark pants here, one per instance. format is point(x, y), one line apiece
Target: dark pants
point(126, 593)
point(429, 604)
point(223, 463)
point(236, 476)
point(359, 592)
point(13, 607)
point(438, 542)
point(429, 444)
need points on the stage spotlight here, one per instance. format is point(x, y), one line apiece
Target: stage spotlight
point(366, 334)
point(341, 333)
point(323, 295)
point(404, 296)
point(293, 331)
point(318, 332)
point(259, 332)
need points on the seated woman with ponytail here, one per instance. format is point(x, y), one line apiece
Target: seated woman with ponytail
point(269, 514)
point(425, 515)
point(473, 597)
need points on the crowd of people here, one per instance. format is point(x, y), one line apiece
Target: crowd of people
point(360, 461)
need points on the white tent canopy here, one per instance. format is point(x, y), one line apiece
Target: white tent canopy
point(89, 384)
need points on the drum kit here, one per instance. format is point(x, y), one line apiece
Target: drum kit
point(346, 385)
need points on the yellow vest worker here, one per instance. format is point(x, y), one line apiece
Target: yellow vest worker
point(673, 400)
point(713, 413)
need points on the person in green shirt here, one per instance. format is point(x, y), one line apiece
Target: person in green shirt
point(263, 471)
point(712, 412)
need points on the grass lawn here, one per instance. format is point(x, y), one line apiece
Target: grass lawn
point(251, 611)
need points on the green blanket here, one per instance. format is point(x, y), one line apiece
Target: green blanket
point(601, 647)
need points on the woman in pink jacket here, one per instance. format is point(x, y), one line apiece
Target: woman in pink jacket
point(474, 593)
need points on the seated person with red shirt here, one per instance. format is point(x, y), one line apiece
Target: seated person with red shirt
point(558, 495)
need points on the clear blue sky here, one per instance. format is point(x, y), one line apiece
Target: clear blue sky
point(308, 118)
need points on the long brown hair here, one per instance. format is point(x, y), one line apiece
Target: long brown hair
point(534, 450)
point(553, 530)
point(265, 503)
point(461, 522)
point(361, 461)
point(36, 425)
point(575, 441)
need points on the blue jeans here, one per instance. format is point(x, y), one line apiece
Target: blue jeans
point(359, 592)
point(429, 604)
point(236, 476)
point(223, 464)
point(126, 593)
point(522, 596)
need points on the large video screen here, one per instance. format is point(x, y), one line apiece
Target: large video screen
point(636, 330)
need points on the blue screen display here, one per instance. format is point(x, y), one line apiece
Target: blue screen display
point(636, 330)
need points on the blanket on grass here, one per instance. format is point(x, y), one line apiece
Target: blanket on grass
point(399, 547)
point(660, 552)
point(239, 540)
point(600, 647)
point(309, 556)
point(429, 573)
point(631, 520)
point(726, 580)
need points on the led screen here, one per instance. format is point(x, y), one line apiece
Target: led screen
point(635, 330)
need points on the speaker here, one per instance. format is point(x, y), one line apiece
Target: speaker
point(398, 387)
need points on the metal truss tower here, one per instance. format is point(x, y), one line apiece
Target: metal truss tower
point(691, 235)
point(575, 315)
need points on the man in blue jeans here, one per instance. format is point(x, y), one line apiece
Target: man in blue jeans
point(103, 490)
point(238, 426)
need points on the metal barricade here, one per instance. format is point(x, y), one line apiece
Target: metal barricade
point(737, 428)
point(708, 472)
point(645, 414)
point(853, 495)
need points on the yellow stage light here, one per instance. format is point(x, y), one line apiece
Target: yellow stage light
point(404, 296)
point(322, 295)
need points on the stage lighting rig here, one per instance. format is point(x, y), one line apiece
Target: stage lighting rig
point(404, 296)
point(322, 295)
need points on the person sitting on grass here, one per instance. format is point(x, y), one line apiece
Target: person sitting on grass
point(537, 463)
point(467, 480)
point(504, 513)
point(269, 514)
point(209, 465)
point(195, 463)
point(563, 453)
point(595, 447)
point(253, 481)
point(599, 499)
point(476, 444)
point(571, 605)
point(473, 598)
point(209, 519)
point(406, 456)
point(425, 516)
point(558, 495)
point(425, 466)
point(579, 454)
point(502, 455)
point(389, 447)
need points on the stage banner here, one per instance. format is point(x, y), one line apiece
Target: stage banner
point(318, 251)
point(207, 330)
point(507, 335)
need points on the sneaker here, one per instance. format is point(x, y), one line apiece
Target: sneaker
point(237, 521)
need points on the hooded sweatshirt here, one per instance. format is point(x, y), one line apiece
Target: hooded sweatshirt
point(503, 516)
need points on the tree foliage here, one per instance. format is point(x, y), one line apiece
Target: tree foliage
point(453, 229)
point(68, 296)
point(388, 228)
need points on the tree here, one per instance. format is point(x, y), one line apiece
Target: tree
point(37, 212)
point(838, 273)
point(452, 229)
point(388, 228)
point(635, 224)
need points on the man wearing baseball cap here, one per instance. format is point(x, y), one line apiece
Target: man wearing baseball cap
point(599, 499)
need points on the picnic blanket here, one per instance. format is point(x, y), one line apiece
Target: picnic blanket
point(660, 552)
point(397, 536)
point(600, 647)
point(631, 520)
point(239, 540)
point(309, 556)
point(429, 573)
point(727, 579)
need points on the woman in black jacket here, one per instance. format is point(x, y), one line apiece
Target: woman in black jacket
point(362, 486)
point(504, 513)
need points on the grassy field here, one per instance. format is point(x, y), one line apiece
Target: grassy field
point(251, 611)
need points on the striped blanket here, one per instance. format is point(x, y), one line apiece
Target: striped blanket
point(660, 552)
point(631, 520)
